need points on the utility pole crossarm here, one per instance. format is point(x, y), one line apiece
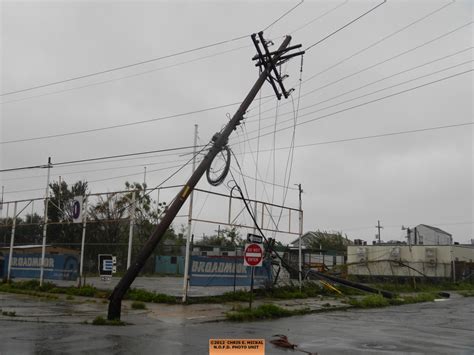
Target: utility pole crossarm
point(219, 142)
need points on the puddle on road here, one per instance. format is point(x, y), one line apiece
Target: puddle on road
point(378, 346)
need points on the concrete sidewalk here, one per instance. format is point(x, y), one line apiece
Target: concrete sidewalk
point(82, 309)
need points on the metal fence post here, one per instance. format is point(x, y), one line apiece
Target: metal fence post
point(12, 242)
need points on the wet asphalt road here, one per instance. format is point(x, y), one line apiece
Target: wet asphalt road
point(428, 328)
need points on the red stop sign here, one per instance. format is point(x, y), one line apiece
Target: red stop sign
point(253, 254)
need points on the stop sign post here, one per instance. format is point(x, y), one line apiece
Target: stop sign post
point(253, 257)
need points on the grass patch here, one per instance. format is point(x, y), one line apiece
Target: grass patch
point(147, 296)
point(265, 311)
point(421, 297)
point(466, 293)
point(11, 288)
point(371, 301)
point(138, 305)
point(99, 320)
point(33, 288)
point(425, 286)
point(9, 314)
point(376, 301)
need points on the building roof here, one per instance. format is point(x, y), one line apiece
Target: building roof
point(435, 229)
point(308, 235)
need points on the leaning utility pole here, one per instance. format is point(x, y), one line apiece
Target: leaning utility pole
point(267, 61)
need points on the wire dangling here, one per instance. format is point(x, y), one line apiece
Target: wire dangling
point(219, 179)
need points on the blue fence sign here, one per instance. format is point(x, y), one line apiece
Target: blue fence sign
point(57, 267)
point(222, 271)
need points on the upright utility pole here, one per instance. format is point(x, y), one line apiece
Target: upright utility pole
point(268, 61)
point(83, 242)
point(130, 230)
point(45, 226)
point(1, 202)
point(379, 227)
point(300, 268)
point(190, 220)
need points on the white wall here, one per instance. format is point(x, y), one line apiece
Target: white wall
point(389, 260)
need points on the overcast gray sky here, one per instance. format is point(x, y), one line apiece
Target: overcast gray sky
point(403, 179)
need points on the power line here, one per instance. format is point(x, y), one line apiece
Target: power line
point(236, 103)
point(385, 134)
point(106, 179)
point(381, 135)
point(374, 82)
point(285, 14)
point(315, 144)
point(389, 59)
point(96, 170)
point(319, 17)
point(126, 76)
point(369, 102)
point(376, 43)
point(262, 181)
point(119, 125)
point(24, 168)
point(124, 66)
point(122, 155)
point(374, 92)
point(381, 40)
point(145, 61)
point(97, 158)
point(135, 174)
point(361, 96)
point(347, 24)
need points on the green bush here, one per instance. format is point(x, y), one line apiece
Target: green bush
point(138, 305)
point(421, 297)
point(370, 301)
point(265, 311)
point(373, 301)
point(99, 320)
point(147, 296)
point(9, 314)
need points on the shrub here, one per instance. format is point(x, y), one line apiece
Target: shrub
point(99, 320)
point(138, 305)
point(370, 302)
point(265, 311)
point(147, 296)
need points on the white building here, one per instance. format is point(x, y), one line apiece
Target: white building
point(428, 235)
point(438, 261)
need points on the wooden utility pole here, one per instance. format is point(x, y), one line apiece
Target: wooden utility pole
point(268, 62)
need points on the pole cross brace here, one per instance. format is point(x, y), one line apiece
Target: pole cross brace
point(265, 59)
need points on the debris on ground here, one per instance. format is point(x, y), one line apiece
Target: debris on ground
point(282, 342)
